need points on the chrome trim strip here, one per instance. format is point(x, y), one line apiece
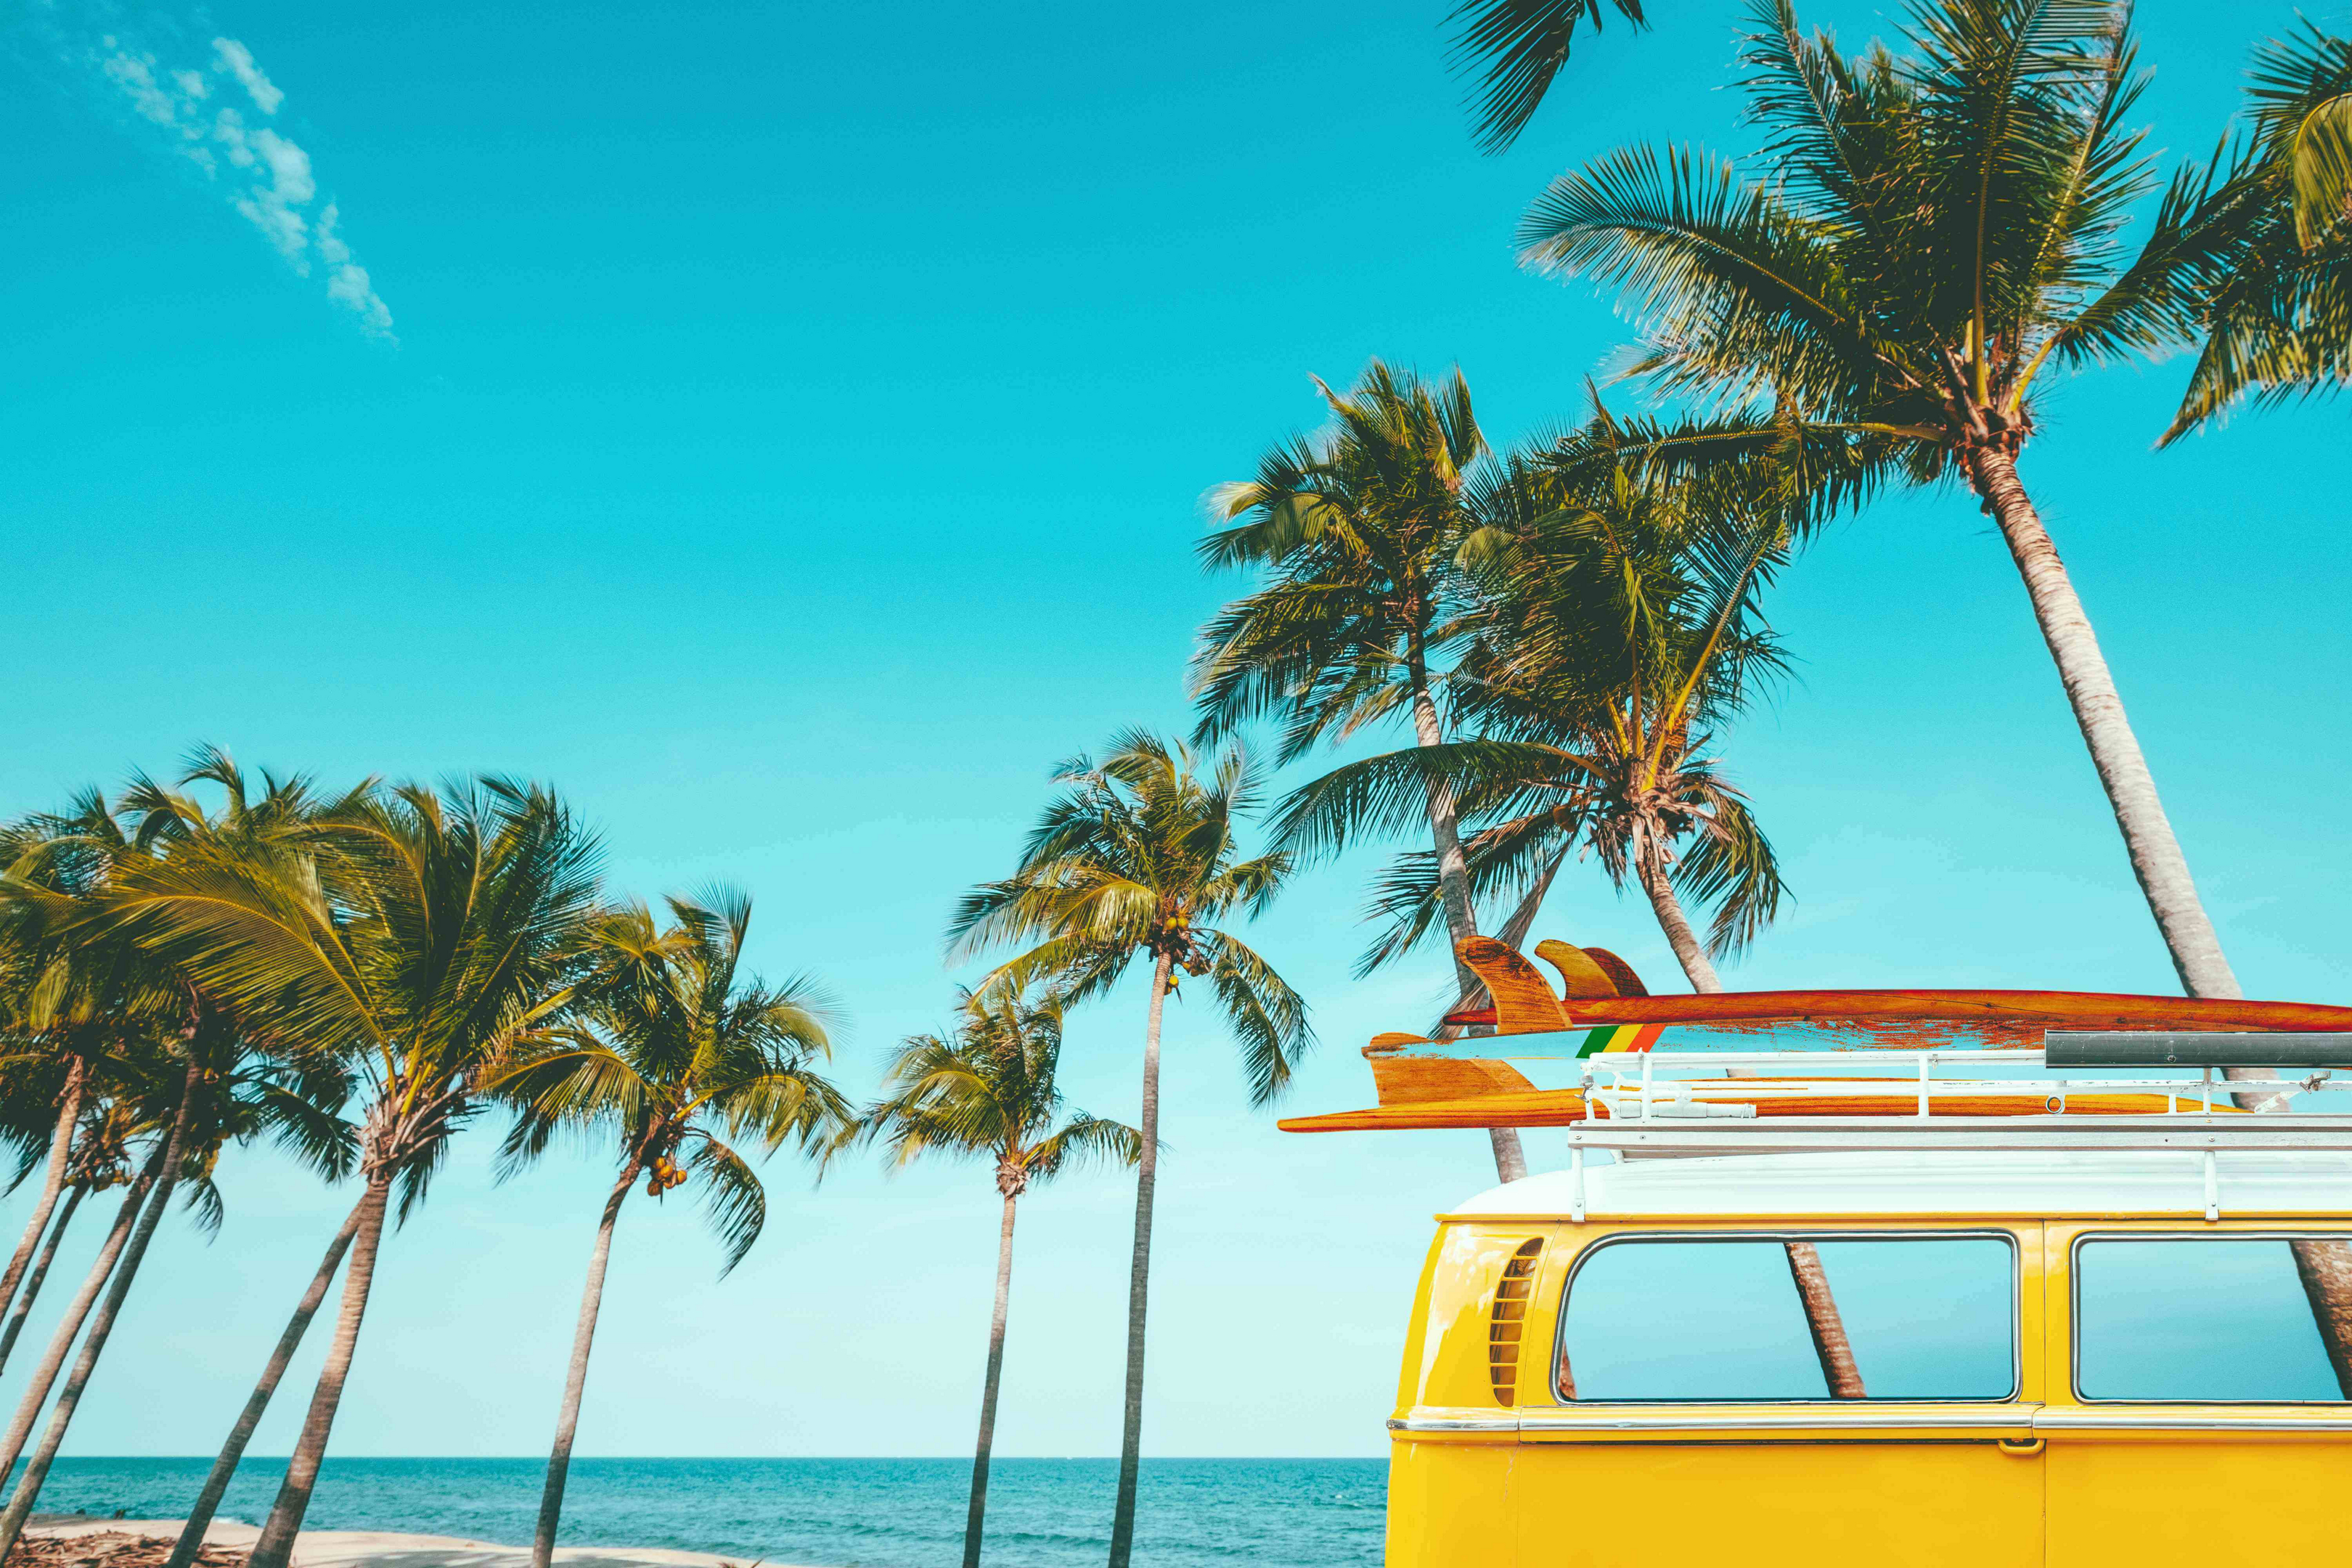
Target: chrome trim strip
point(1435, 1424)
point(2015, 1418)
point(2130, 1421)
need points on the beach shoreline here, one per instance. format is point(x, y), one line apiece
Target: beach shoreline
point(382, 1548)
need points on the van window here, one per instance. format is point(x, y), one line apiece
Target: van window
point(1655, 1317)
point(2202, 1319)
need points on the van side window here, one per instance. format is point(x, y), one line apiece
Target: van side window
point(1702, 1319)
point(2187, 1318)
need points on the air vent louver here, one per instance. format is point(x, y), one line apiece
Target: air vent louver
point(1508, 1319)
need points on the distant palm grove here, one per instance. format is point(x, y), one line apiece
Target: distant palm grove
point(1556, 642)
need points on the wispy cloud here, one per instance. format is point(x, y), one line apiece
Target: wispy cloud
point(238, 60)
point(217, 114)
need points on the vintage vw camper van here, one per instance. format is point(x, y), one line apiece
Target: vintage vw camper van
point(1955, 1300)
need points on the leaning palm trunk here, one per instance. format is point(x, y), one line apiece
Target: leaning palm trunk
point(208, 1500)
point(45, 1376)
point(2326, 1266)
point(1147, 1172)
point(2326, 1270)
point(275, 1547)
point(1831, 1346)
point(36, 1470)
point(52, 1182)
point(23, 1308)
point(576, 1379)
point(1454, 893)
point(976, 1515)
point(2155, 858)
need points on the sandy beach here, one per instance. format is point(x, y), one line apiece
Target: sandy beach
point(377, 1547)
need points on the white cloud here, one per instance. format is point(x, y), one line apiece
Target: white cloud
point(228, 130)
point(331, 248)
point(238, 60)
point(349, 287)
point(348, 284)
point(269, 176)
point(167, 100)
point(283, 226)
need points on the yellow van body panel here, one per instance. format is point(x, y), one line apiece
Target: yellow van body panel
point(2043, 1478)
point(2264, 1481)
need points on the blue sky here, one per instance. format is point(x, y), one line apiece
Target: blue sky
point(784, 429)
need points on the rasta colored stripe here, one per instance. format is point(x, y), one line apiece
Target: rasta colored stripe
point(1620, 1037)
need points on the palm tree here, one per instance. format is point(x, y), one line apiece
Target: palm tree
point(1930, 234)
point(675, 1044)
point(1616, 627)
point(419, 938)
point(53, 991)
point(167, 1165)
point(30, 1109)
point(1137, 858)
point(174, 1059)
point(1361, 532)
point(988, 1092)
point(1518, 47)
point(1620, 624)
point(2278, 318)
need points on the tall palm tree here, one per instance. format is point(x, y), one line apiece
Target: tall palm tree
point(1138, 859)
point(419, 938)
point(1360, 531)
point(60, 992)
point(988, 1092)
point(1619, 625)
point(1928, 235)
point(675, 1044)
point(1516, 48)
point(2278, 318)
point(127, 1222)
point(174, 1058)
point(169, 1162)
point(31, 1109)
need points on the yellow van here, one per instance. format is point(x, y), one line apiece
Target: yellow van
point(1967, 1303)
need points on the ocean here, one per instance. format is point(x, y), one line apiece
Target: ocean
point(827, 1513)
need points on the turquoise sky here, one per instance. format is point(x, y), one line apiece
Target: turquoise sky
point(783, 426)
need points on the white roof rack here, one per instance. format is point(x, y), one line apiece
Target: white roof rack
point(1755, 1103)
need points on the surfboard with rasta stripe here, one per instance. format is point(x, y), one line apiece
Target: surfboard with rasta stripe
point(1620, 1037)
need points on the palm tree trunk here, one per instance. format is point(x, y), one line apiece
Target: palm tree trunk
point(208, 1501)
point(575, 1379)
point(1453, 894)
point(36, 1470)
point(52, 1180)
point(1664, 904)
point(45, 1376)
point(275, 1547)
point(2324, 1267)
point(2326, 1270)
point(32, 1292)
point(977, 1514)
point(2155, 857)
point(1147, 1170)
point(1831, 1348)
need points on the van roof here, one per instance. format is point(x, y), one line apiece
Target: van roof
point(1931, 1182)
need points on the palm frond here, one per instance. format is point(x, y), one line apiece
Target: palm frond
point(734, 1204)
point(1515, 48)
point(1268, 1019)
